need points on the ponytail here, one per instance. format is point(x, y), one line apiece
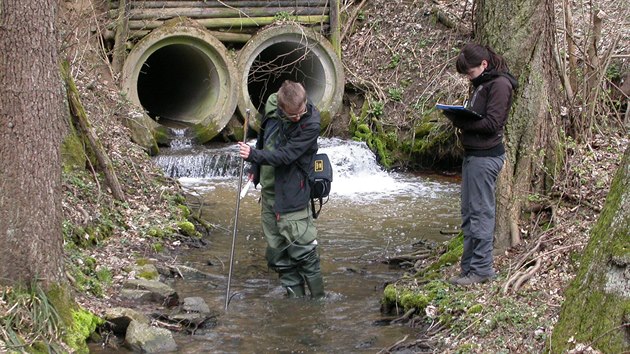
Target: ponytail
point(496, 61)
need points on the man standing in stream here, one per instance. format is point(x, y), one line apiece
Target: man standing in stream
point(287, 142)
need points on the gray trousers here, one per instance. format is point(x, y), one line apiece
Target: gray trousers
point(479, 179)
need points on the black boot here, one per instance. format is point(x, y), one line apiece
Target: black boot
point(316, 286)
point(296, 291)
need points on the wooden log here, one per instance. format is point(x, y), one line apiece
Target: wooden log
point(231, 22)
point(80, 117)
point(225, 3)
point(229, 37)
point(217, 12)
point(232, 36)
point(120, 39)
point(335, 27)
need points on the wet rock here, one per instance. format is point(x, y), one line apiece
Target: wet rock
point(146, 339)
point(195, 304)
point(147, 271)
point(187, 272)
point(160, 292)
point(192, 315)
point(136, 295)
point(191, 322)
point(120, 317)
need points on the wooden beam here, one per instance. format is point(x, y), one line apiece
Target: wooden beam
point(231, 22)
point(335, 27)
point(219, 12)
point(224, 3)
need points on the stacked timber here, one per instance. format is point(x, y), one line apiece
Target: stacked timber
point(230, 20)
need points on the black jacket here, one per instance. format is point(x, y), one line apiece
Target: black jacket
point(492, 99)
point(296, 147)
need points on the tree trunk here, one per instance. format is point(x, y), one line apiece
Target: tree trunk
point(523, 31)
point(596, 310)
point(31, 130)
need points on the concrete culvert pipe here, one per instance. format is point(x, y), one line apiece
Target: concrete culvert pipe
point(289, 52)
point(182, 76)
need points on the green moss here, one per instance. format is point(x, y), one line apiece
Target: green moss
point(142, 261)
point(325, 119)
point(161, 135)
point(78, 322)
point(187, 228)
point(413, 296)
point(178, 198)
point(158, 233)
point(412, 299)
point(148, 271)
point(476, 308)
point(84, 323)
point(204, 133)
point(454, 251)
point(595, 308)
point(184, 210)
point(157, 247)
point(39, 347)
point(72, 153)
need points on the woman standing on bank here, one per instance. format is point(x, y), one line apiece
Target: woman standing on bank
point(484, 154)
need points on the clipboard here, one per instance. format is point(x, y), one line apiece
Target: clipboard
point(458, 111)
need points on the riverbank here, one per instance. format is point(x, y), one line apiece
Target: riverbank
point(518, 310)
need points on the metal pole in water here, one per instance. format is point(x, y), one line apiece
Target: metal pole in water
point(238, 204)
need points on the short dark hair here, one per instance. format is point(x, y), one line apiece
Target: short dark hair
point(473, 54)
point(291, 95)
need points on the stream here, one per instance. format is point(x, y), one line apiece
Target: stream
point(371, 215)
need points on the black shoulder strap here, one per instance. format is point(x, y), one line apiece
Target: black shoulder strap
point(316, 213)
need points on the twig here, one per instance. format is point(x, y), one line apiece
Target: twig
point(350, 21)
point(388, 349)
point(406, 316)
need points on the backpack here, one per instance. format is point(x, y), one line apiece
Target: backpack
point(320, 178)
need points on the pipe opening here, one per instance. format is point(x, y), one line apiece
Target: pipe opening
point(285, 61)
point(289, 52)
point(179, 83)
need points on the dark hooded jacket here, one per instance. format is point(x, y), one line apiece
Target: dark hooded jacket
point(295, 147)
point(492, 99)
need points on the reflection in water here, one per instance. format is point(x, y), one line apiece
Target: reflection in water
point(370, 216)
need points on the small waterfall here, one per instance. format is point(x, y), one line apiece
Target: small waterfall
point(180, 140)
point(357, 175)
point(199, 161)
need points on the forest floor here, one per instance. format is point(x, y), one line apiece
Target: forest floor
point(421, 51)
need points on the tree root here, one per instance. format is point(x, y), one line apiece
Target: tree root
point(526, 276)
point(389, 349)
point(406, 316)
point(522, 275)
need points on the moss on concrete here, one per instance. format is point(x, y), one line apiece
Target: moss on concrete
point(203, 133)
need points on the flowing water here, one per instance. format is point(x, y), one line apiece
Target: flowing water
point(371, 215)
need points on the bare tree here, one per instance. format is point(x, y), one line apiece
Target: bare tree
point(523, 31)
point(31, 131)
